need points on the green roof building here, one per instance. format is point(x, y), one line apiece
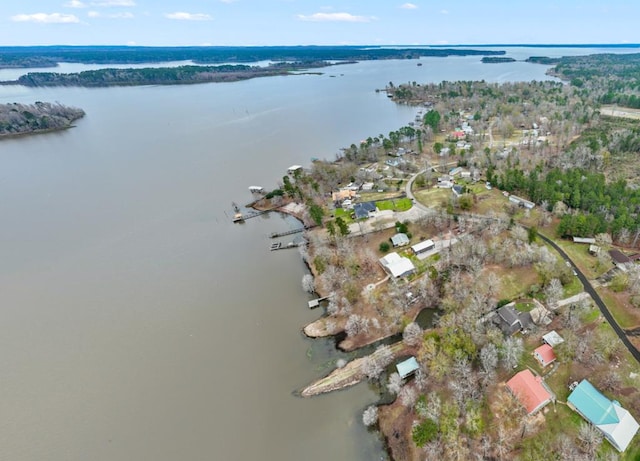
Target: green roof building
point(615, 423)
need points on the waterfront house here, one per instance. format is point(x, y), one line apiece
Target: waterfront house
point(544, 355)
point(294, 169)
point(397, 266)
point(530, 391)
point(616, 424)
point(400, 240)
point(407, 367)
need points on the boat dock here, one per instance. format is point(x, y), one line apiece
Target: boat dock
point(289, 232)
point(316, 302)
point(280, 246)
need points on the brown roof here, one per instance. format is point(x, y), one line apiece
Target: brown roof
point(619, 257)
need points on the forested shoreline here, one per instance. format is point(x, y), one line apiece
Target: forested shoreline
point(19, 119)
point(45, 56)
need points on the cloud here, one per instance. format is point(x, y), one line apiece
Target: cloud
point(97, 14)
point(334, 17)
point(228, 1)
point(182, 16)
point(46, 18)
point(110, 3)
point(75, 4)
point(409, 6)
point(444, 11)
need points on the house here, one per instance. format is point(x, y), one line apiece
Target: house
point(615, 423)
point(594, 250)
point(544, 355)
point(552, 338)
point(457, 191)
point(342, 194)
point(362, 210)
point(397, 266)
point(423, 247)
point(294, 169)
point(367, 186)
point(509, 320)
point(395, 162)
point(407, 367)
point(400, 240)
point(530, 391)
point(455, 171)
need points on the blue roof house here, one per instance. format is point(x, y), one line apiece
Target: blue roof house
point(615, 423)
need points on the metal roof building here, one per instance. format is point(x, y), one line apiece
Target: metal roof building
point(406, 367)
point(615, 423)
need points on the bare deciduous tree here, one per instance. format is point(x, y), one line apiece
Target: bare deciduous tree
point(308, 283)
point(370, 415)
point(412, 334)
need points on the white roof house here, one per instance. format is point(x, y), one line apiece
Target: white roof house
point(293, 168)
point(396, 265)
point(552, 338)
point(399, 240)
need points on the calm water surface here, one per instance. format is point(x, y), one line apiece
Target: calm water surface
point(137, 321)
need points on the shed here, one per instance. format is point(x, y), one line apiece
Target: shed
point(400, 240)
point(594, 249)
point(552, 338)
point(619, 257)
point(616, 424)
point(544, 355)
point(421, 247)
point(529, 390)
point(407, 367)
point(588, 240)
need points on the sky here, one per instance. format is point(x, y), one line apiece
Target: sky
point(316, 22)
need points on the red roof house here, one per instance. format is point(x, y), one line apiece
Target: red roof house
point(544, 354)
point(529, 391)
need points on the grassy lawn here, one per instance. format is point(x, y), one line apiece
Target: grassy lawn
point(524, 307)
point(573, 288)
point(344, 214)
point(488, 200)
point(433, 196)
point(401, 204)
point(623, 316)
point(515, 282)
point(579, 253)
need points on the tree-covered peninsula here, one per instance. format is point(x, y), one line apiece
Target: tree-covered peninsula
point(18, 119)
point(162, 75)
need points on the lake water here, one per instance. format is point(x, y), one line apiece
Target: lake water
point(137, 321)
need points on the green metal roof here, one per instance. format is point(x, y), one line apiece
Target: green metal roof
point(407, 367)
point(592, 404)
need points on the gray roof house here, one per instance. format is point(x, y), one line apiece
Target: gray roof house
point(510, 320)
point(362, 210)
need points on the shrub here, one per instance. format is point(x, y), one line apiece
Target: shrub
point(384, 247)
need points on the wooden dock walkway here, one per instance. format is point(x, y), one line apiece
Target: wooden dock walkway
point(280, 246)
point(316, 302)
point(289, 232)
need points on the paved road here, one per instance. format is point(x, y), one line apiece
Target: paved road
point(596, 297)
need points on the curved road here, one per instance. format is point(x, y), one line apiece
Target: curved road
point(585, 282)
point(596, 298)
